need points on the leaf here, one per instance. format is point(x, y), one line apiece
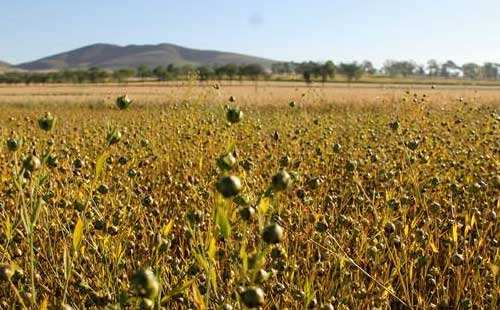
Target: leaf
point(244, 257)
point(264, 205)
point(198, 299)
point(8, 228)
point(212, 248)
point(99, 166)
point(45, 303)
point(454, 233)
point(167, 228)
point(177, 290)
point(433, 247)
point(78, 234)
point(223, 222)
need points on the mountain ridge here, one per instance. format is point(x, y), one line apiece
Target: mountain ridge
point(110, 56)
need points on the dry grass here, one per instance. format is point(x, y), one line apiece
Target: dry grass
point(396, 216)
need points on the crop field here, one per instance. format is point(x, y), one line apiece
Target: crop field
point(271, 195)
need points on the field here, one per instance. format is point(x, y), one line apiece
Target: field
point(342, 197)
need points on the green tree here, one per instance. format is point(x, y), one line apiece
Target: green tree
point(143, 71)
point(353, 71)
point(327, 70)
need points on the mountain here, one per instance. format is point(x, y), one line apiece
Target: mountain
point(110, 56)
point(4, 66)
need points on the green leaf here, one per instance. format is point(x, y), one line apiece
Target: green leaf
point(223, 222)
point(167, 228)
point(78, 235)
point(212, 248)
point(99, 166)
point(177, 290)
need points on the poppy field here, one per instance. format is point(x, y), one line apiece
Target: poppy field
point(267, 196)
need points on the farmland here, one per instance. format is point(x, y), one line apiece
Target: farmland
point(336, 197)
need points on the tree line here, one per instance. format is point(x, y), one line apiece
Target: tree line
point(309, 71)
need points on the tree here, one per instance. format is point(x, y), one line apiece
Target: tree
point(433, 67)
point(253, 71)
point(353, 71)
point(368, 67)
point(307, 77)
point(123, 74)
point(327, 70)
point(160, 73)
point(490, 71)
point(143, 71)
point(471, 71)
point(231, 71)
point(403, 68)
point(205, 73)
point(447, 68)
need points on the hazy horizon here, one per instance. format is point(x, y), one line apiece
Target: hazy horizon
point(461, 31)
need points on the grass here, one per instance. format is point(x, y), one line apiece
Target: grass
point(389, 199)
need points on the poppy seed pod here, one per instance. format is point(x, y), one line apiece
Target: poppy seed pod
point(145, 284)
point(273, 233)
point(46, 122)
point(281, 181)
point(234, 115)
point(229, 186)
point(123, 102)
point(253, 297)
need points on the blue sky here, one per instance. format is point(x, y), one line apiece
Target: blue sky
point(461, 30)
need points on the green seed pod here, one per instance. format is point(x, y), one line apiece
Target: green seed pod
point(46, 122)
point(114, 137)
point(247, 213)
point(273, 233)
point(337, 148)
point(226, 162)
point(253, 297)
point(229, 186)
point(351, 165)
point(281, 181)
point(146, 304)
point(123, 102)
point(234, 115)
point(103, 189)
point(145, 284)
point(13, 144)
point(6, 273)
point(394, 125)
point(31, 163)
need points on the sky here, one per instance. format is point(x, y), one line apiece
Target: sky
point(348, 30)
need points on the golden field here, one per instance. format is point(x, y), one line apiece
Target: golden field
point(351, 197)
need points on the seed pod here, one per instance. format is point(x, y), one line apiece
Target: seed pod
point(337, 147)
point(114, 137)
point(234, 115)
point(226, 162)
point(146, 284)
point(31, 163)
point(147, 201)
point(6, 273)
point(457, 259)
point(273, 233)
point(46, 122)
point(351, 165)
point(281, 181)
point(247, 213)
point(12, 144)
point(229, 186)
point(253, 297)
point(123, 102)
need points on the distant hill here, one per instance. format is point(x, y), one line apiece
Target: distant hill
point(5, 66)
point(131, 56)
